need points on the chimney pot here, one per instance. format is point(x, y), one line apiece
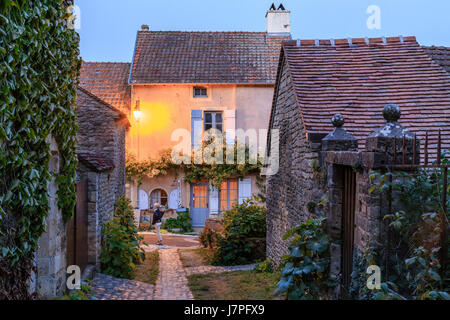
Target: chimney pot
point(278, 21)
point(145, 27)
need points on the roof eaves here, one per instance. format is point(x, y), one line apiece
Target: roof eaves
point(121, 114)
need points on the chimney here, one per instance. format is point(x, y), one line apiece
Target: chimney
point(145, 27)
point(278, 21)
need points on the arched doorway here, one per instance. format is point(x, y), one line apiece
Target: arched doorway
point(158, 196)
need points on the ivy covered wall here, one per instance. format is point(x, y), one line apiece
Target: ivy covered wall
point(39, 67)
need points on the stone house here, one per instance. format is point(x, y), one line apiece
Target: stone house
point(318, 167)
point(101, 153)
point(196, 81)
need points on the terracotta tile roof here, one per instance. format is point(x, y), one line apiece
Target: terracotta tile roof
point(439, 54)
point(94, 161)
point(108, 81)
point(358, 79)
point(205, 57)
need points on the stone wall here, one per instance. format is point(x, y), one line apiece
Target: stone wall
point(50, 257)
point(296, 184)
point(102, 132)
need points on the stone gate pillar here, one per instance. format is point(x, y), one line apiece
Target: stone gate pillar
point(392, 139)
point(339, 148)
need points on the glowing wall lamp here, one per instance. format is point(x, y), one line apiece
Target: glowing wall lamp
point(137, 110)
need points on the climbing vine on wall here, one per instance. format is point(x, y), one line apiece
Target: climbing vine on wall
point(414, 266)
point(39, 66)
point(216, 173)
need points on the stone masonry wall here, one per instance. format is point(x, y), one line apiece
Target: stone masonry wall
point(296, 184)
point(100, 133)
point(50, 257)
point(119, 161)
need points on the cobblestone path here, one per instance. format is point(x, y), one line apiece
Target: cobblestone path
point(106, 287)
point(214, 269)
point(172, 283)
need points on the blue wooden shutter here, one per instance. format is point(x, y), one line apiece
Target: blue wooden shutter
point(245, 189)
point(196, 129)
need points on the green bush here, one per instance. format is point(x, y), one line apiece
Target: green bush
point(415, 263)
point(84, 293)
point(241, 223)
point(120, 244)
point(305, 272)
point(264, 267)
point(182, 221)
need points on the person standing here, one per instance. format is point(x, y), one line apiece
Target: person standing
point(157, 216)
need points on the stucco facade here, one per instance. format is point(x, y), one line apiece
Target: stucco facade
point(166, 108)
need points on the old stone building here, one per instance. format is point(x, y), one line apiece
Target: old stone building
point(325, 172)
point(101, 154)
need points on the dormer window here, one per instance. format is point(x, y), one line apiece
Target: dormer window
point(200, 92)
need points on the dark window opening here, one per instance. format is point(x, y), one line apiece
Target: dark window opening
point(200, 92)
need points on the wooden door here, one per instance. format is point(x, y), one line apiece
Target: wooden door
point(77, 229)
point(199, 204)
point(348, 225)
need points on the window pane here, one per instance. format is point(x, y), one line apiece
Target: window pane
point(158, 196)
point(233, 192)
point(218, 117)
point(219, 127)
point(163, 197)
point(200, 92)
point(199, 196)
point(208, 117)
point(208, 126)
point(223, 196)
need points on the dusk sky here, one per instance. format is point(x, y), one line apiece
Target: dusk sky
point(108, 27)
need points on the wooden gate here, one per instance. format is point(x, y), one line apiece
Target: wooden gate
point(348, 224)
point(77, 229)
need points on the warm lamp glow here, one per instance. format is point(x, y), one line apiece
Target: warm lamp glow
point(137, 114)
point(137, 110)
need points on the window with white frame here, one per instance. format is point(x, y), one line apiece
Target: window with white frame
point(213, 120)
point(231, 191)
point(228, 194)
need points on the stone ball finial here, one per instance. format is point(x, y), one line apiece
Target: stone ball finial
point(391, 112)
point(338, 120)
